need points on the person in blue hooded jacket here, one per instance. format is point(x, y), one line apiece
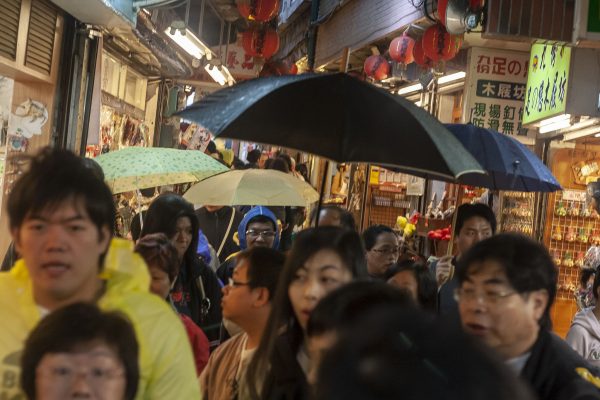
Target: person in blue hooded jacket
point(259, 227)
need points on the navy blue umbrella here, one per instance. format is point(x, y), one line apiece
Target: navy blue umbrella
point(509, 164)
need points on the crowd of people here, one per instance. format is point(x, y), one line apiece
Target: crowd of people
point(325, 313)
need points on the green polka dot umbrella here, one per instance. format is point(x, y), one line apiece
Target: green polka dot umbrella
point(144, 167)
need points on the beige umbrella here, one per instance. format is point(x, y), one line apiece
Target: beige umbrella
point(252, 187)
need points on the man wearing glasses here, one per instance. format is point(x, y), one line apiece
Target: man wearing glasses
point(246, 302)
point(507, 285)
point(259, 228)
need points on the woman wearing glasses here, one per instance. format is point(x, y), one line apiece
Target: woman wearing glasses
point(321, 260)
point(382, 248)
point(196, 291)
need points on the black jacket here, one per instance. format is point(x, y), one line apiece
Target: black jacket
point(214, 226)
point(286, 379)
point(551, 371)
point(210, 322)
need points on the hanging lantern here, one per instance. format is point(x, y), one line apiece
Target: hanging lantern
point(455, 45)
point(260, 42)
point(419, 55)
point(377, 67)
point(401, 49)
point(278, 68)
point(437, 43)
point(258, 10)
point(442, 7)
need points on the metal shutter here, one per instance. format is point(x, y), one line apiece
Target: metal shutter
point(9, 28)
point(40, 38)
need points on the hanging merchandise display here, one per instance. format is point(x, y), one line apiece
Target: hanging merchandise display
point(258, 10)
point(118, 131)
point(260, 42)
point(401, 49)
point(517, 212)
point(377, 67)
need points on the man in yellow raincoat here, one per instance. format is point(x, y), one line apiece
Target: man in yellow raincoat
point(61, 217)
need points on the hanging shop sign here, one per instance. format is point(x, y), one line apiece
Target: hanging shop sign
point(547, 82)
point(495, 90)
point(239, 64)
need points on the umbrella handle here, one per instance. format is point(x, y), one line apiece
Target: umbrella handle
point(515, 165)
point(459, 197)
point(322, 192)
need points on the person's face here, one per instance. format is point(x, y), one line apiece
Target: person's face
point(183, 236)
point(383, 254)
point(239, 300)
point(159, 283)
point(62, 248)
point(474, 230)
point(406, 281)
point(260, 234)
point(95, 374)
point(492, 310)
point(329, 218)
point(323, 272)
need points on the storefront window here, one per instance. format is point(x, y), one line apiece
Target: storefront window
point(135, 89)
point(111, 70)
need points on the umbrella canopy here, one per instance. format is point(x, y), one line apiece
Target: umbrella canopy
point(337, 117)
point(143, 167)
point(510, 165)
point(265, 187)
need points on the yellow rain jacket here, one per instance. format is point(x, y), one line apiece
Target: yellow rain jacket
point(166, 364)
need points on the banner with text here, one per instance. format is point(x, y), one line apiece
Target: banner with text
point(495, 90)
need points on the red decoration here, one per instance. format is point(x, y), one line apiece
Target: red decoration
point(475, 5)
point(438, 44)
point(419, 55)
point(442, 6)
point(260, 42)
point(258, 10)
point(401, 49)
point(377, 67)
point(278, 68)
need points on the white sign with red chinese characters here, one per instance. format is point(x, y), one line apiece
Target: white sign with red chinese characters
point(239, 64)
point(495, 90)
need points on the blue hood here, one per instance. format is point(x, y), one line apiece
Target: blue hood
point(254, 212)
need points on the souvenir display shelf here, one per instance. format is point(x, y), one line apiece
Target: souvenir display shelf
point(573, 231)
point(517, 212)
point(387, 203)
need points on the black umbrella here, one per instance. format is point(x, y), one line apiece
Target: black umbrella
point(337, 117)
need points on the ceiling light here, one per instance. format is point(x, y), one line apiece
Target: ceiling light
point(555, 123)
point(452, 77)
point(189, 42)
point(217, 75)
point(409, 89)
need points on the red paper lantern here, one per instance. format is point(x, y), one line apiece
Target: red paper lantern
point(278, 68)
point(401, 49)
point(419, 55)
point(377, 67)
point(456, 44)
point(442, 6)
point(260, 42)
point(438, 43)
point(258, 10)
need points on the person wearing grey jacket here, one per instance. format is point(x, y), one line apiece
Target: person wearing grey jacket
point(584, 335)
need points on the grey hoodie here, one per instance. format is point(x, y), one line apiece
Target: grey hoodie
point(584, 336)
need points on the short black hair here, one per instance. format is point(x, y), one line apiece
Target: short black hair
point(253, 156)
point(401, 353)
point(426, 283)
point(76, 325)
point(280, 164)
point(468, 211)
point(263, 219)
point(264, 267)
point(158, 251)
point(56, 176)
point(346, 304)
point(211, 147)
point(345, 216)
point(371, 234)
point(527, 264)
point(287, 158)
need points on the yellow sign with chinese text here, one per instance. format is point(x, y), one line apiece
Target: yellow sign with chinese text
point(547, 81)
